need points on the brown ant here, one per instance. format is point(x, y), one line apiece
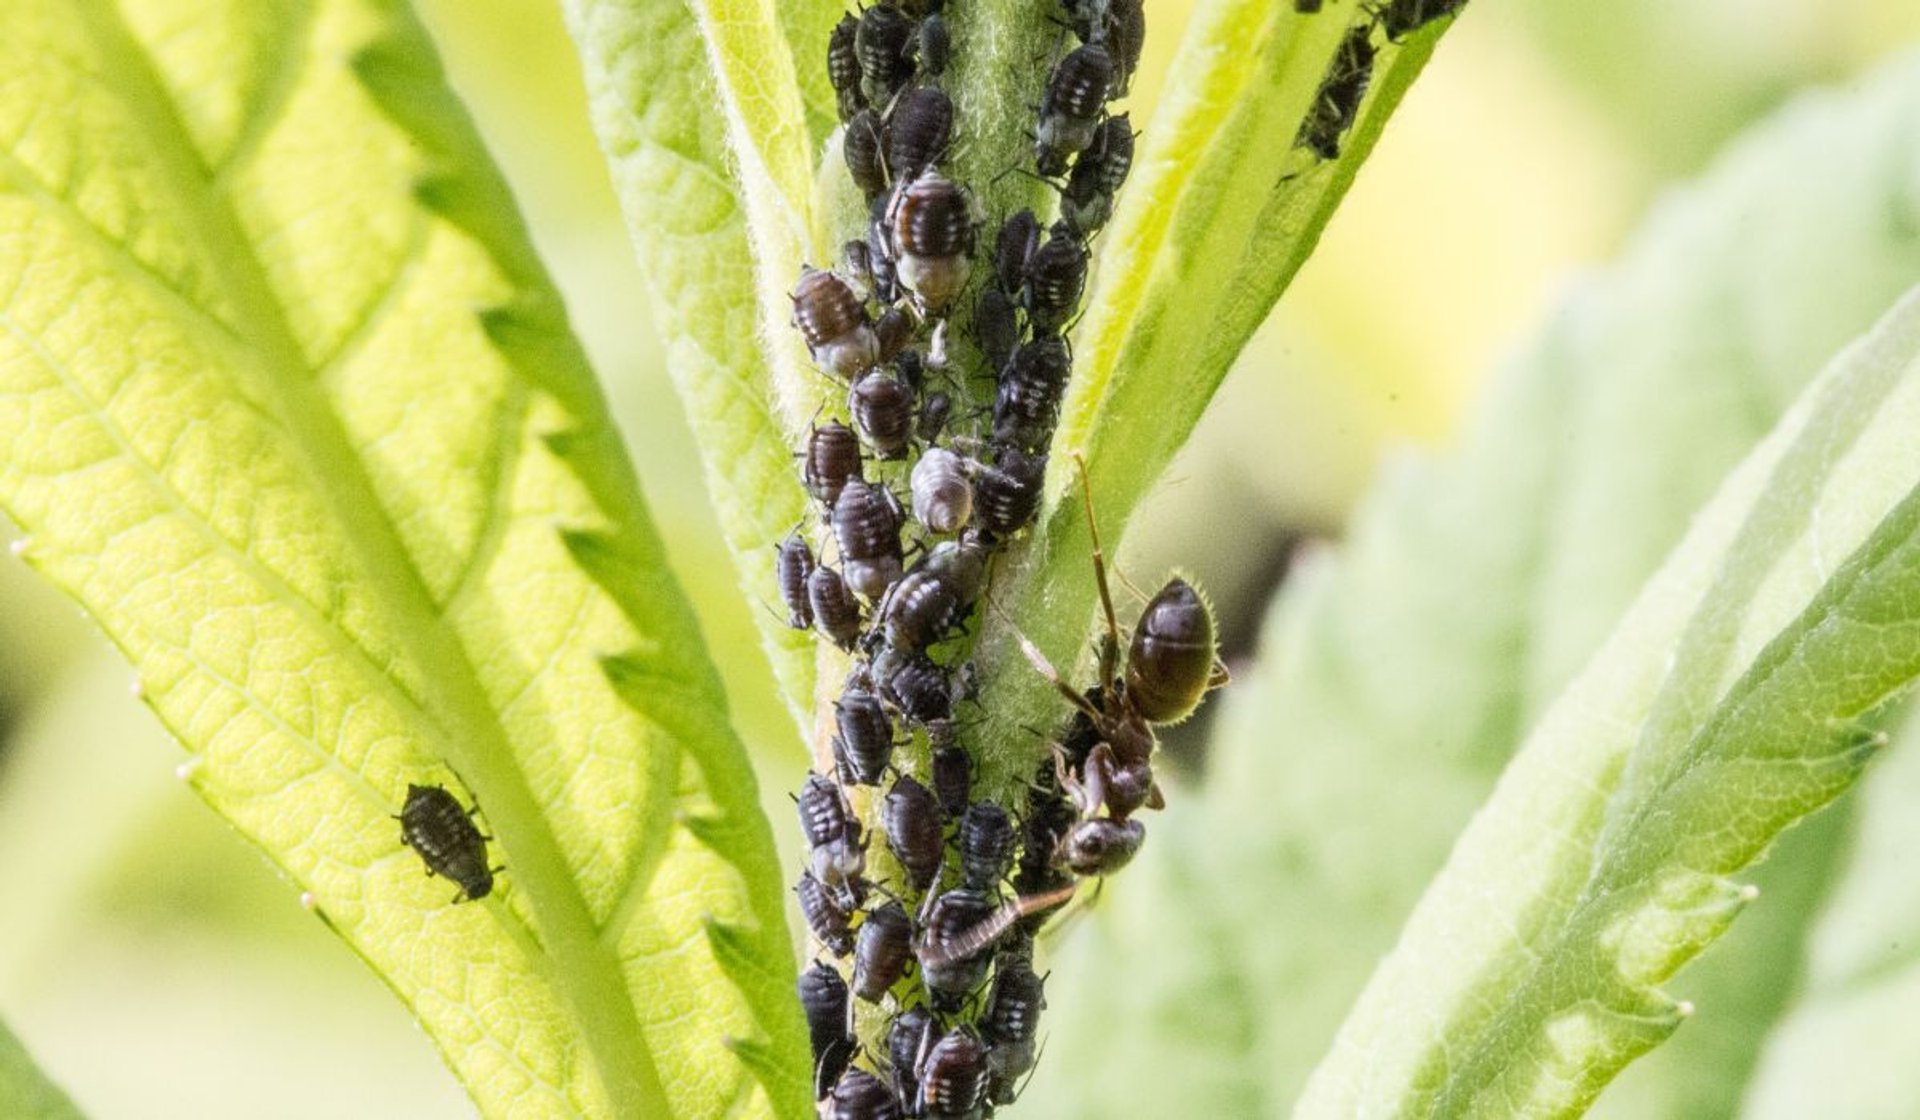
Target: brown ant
point(1170, 663)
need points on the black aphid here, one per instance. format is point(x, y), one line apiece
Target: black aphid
point(942, 496)
point(884, 949)
point(835, 611)
point(911, 819)
point(864, 746)
point(1307, 7)
point(435, 825)
point(792, 567)
point(866, 525)
point(953, 956)
point(884, 410)
point(1019, 236)
point(907, 1039)
point(1070, 110)
point(931, 224)
point(884, 46)
point(825, 917)
point(823, 998)
point(1097, 177)
point(1011, 1023)
point(1055, 276)
point(952, 774)
point(953, 1076)
point(1126, 38)
point(996, 326)
point(843, 67)
point(1337, 104)
point(835, 847)
point(862, 144)
point(1027, 403)
point(936, 45)
point(831, 458)
point(911, 682)
point(933, 599)
point(935, 409)
point(1403, 17)
point(986, 847)
point(1044, 823)
point(859, 1095)
point(919, 128)
point(834, 323)
point(1006, 494)
point(894, 330)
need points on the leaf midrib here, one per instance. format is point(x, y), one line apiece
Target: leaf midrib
point(586, 972)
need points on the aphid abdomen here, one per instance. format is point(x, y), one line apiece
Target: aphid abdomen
point(919, 128)
point(953, 1078)
point(866, 736)
point(1055, 278)
point(911, 817)
point(835, 611)
point(1076, 95)
point(793, 566)
point(833, 323)
point(942, 496)
point(859, 1095)
point(825, 918)
point(843, 67)
point(883, 407)
point(823, 998)
point(881, 955)
point(986, 846)
point(435, 825)
point(932, 227)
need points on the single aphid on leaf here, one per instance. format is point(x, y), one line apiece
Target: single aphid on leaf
point(434, 824)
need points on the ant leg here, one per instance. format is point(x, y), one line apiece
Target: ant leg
point(1097, 775)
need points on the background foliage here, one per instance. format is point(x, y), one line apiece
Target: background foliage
point(158, 948)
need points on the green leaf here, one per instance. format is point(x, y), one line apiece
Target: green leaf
point(1735, 697)
point(287, 402)
point(1398, 676)
point(1844, 1047)
point(1215, 221)
point(654, 109)
point(26, 1093)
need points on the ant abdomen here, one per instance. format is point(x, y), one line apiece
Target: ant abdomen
point(1170, 664)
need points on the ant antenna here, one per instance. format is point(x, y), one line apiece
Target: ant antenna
point(1110, 650)
point(1040, 663)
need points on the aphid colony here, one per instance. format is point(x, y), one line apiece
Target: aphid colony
point(917, 492)
point(1336, 106)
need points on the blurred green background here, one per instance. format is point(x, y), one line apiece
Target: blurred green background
point(158, 967)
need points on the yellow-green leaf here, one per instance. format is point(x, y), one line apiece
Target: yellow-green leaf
point(288, 404)
point(26, 1093)
point(660, 121)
